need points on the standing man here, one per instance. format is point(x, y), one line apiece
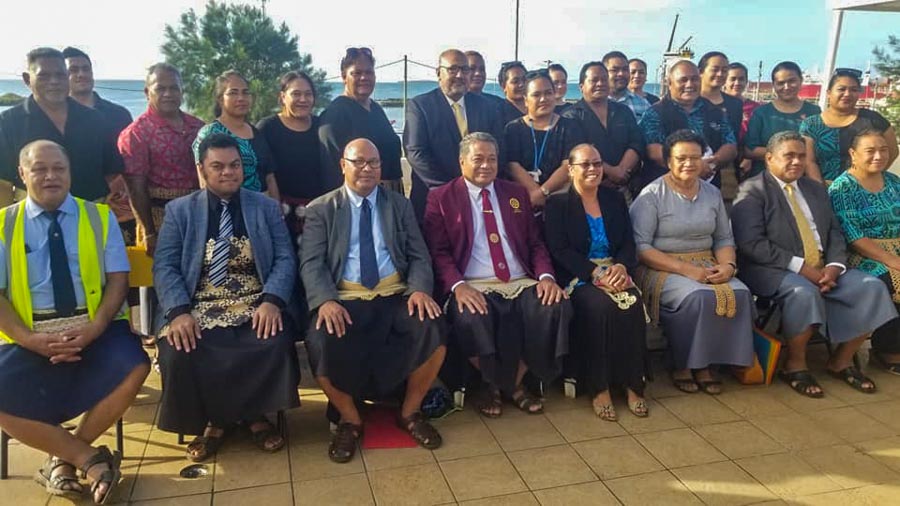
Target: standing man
point(438, 120)
point(619, 76)
point(159, 159)
point(478, 78)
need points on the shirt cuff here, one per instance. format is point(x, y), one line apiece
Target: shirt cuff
point(795, 264)
point(177, 311)
point(546, 275)
point(838, 264)
point(274, 299)
point(452, 288)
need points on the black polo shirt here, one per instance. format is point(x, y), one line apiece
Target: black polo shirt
point(88, 138)
point(117, 116)
point(620, 134)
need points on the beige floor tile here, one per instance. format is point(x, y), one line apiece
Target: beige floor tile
point(838, 498)
point(23, 462)
point(782, 392)
point(879, 494)
point(187, 500)
point(851, 424)
point(662, 387)
point(753, 401)
point(886, 451)
point(739, 439)
point(466, 440)
point(655, 488)
point(582, 424)
point(722, 483)
point(251, 469)
point(148, 394)
point(697, 410)
point(311, 462)
point(467, 415)
point(553, 466)
point(795, 431)
point(787, 476)
point(158, 475)
point(520, 499)
point(583, 494)
point(478, 477)
point(410, 485)
point(849, 467)
point(387, 458)
point(887, 413)
point(270, 495)
point(617, 457)
point(140, 418)
point(679, 448)
point(556, 401)
point(660, 419)
point(350, 490)
point(524, 432)
point(22, 491)
point(304, 427)
point(849, 395)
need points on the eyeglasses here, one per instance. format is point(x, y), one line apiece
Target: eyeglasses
point(353, 52)
point(847, 72)
point(588, 165)
point(534, 74)
point(507, 64)
point(374, 163)
point(457, 69)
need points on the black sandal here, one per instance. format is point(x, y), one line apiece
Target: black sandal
point(267, 435)
point(686, 385)
point(204, 447)
point(59, 485)
point(855, 378)
point(525, 401)
point(802, 381)
point(707, 386)
point(423, 432)
point(110, 477)
point(343, 443)
point(491, 404)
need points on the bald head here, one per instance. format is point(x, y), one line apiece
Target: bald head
point(44, 168)
point(684, 83)
point(361, 166)
point(453, 73)
point(39, 148)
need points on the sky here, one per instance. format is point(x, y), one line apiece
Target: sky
point(123, 39)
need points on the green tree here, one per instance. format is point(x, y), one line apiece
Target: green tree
point(239, 37)
point(887, 62)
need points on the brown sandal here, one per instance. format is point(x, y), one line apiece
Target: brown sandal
point(525, 402)
point(60, 485)
point(423, 432)
point(491, 405)
point(110, 477)
point(204, 447)
point(343, 443)
point(268, 439)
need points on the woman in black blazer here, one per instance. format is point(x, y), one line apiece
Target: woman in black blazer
point(589, 236)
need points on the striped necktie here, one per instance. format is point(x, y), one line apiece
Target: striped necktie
point(811, 253)
point(218, 269)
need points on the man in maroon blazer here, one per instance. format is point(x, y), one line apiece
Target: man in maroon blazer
point(506, 311)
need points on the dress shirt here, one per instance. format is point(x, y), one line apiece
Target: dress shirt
point(37, 250)
point(153, 148)
point(796, 263)
point(462, 106)
point(382, 254)
point(637, 104)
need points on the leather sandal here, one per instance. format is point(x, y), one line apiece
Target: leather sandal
point(109, 477)
point(59, 485)
point(527, 402)
point(343, 443)
point(491, 404)
point(606, 412)
point(639, 408)
point(802, 383)
point(268, 439)
point(855, 378)
point(423, 432)
point(204, 447)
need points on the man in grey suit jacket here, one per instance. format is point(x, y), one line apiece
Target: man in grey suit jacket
point(368, 279)
point(791, 249)
point(224, 269)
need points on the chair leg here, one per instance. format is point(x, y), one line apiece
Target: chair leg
point(4, 455)
point(181, 439)
point(120, 438)
point(281, 424)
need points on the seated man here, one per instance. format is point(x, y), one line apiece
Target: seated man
point(67, 348)
point(368, 279)
point(506, 311)
point(791, 249)
point(224, 270)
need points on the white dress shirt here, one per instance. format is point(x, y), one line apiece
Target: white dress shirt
point(796, 263)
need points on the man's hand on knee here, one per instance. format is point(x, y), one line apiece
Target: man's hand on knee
point(183, 333)
point(335, 317)
point(267, 320)
point(422, 303)
point(549, 292)
point(470, 298)
point(57, 347)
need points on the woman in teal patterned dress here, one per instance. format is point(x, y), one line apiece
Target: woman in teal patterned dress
point(829, 135)
point(866, 200)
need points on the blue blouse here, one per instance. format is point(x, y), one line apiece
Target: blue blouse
point(599, 241)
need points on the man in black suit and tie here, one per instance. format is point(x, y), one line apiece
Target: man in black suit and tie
point(438, 120)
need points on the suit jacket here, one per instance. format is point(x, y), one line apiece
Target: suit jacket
point(431, 139)
point(449, 231)
point(326, 242)
point(180, 247)
point(569, 236)
point(766, 232)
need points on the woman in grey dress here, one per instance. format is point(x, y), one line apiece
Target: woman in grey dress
point(687, 256)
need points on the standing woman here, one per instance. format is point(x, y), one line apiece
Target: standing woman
point(830, 134)
point(233, 103)
point(560, 79)
point(786, 112)
point(638, 70)
point(538, 143)
point(512, 81)
point(589, 236)
point(735, 85)
point(293, 137)
point(355, 115)
point(713, 73)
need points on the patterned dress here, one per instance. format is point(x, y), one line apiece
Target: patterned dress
point(832, 145)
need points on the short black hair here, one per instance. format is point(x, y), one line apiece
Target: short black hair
point(787, 65)
point(866, 132)
point(354, 55)
point(582, 75)
point(638, 60)
point(854, 74)
point(683, 135)
point(216, 141)
point(613, 54)
point(704, 60)
point(42, 52)
point(534, 75)
point(74, 52)
point(739, 66)
point(505, 67)
point(557, 68)
point(285, 80)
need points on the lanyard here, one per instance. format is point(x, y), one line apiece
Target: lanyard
point(538, 155)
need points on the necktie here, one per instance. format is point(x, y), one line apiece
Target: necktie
point(460, 120)
point(811, 254)
point(218, 269)
point(493, 236)
point(60, 275)
point(368, 265)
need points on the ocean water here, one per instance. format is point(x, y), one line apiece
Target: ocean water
point(130, 93)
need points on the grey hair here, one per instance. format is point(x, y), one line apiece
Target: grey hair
point(465, 145)
point(781, 137)
point(26, 155)
point(162, 67)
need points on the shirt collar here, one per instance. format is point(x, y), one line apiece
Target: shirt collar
point(215, 199)
point(783, 184)
point(627, 96)
point(475, 190)
point(461, 101)
point(357, 199)
point(33, 209)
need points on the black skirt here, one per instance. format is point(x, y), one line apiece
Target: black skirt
point(230, 377)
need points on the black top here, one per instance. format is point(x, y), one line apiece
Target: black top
point(509, 112)
point(117, 116)
point(651, 98)
point(215, 212)
point(521, 147)
point(562, 108)
point(296, 154)
point(620, 134)
point(345, 120)
point(88, 139)
point(866, 119)
point(733, 109)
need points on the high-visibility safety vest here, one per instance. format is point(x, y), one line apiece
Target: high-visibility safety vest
point(93, 227)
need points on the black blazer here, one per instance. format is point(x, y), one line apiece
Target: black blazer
point(568, 236)
point(431, 139)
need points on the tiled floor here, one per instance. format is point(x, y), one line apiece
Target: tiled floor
point(750, 445)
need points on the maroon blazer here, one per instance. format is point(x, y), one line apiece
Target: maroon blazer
point(448, 231)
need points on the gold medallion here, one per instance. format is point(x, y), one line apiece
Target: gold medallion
point(494, 238)
point(514, 203)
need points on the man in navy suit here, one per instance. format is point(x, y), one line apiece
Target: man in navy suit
point(438, 120)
